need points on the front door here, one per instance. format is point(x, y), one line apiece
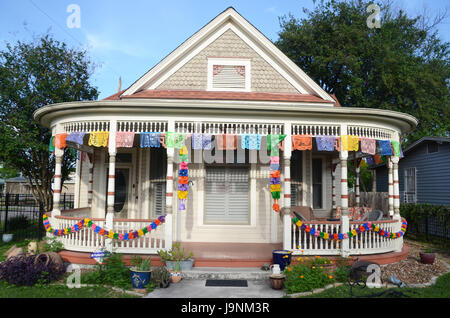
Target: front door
point(122, 191)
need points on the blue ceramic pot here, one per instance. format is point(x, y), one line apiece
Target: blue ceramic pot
point(139, 279)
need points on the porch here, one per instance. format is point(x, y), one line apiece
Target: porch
point(279, 231)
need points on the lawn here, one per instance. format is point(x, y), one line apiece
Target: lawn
point(441, 289)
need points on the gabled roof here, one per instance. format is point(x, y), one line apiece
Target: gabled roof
point(307, 89)
point(425, 139)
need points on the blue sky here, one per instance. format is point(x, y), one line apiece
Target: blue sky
point(127, 38)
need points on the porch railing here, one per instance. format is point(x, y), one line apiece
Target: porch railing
point(86, 240)
point(367, 242)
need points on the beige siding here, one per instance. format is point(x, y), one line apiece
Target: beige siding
point(84, 183)
point(192, 75)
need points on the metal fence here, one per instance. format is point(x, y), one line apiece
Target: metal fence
point(21, 215)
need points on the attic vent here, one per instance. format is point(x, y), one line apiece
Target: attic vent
point(228, 74)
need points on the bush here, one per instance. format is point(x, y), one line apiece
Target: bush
point(112, 272)
point(23, 271)
point(16, 223)
point(302, 278)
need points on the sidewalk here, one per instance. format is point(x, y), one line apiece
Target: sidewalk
point(193, 284)
point(193, 288)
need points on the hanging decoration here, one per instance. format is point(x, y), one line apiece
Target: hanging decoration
point(275, 185)
point(76, 137)
point(368, 145)
point(175, 140)
point(301, 142)
point(51, 145)
point(385, 147)
point(98, 138)
point(251, 141)
point(272, 143)
point(354, 232)
point(60, 140)
point(150, 139)
point(183, 178)
point(86, 222)
point(326, 143)
point(201, 141)
point(124, 139)
point(350, 142)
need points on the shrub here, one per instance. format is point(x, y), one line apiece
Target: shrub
point(341, 273)
point(23, 271)
point(302, 278)
point(52, 245)
point(16, 223)
point(112, 272)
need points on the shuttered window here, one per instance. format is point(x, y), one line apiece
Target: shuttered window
point(317, 183)
point(229, 77)
point(296, 178)
point(158, 168)
point(227, 195)
point(410, 195)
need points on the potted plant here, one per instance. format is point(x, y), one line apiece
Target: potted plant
point(427, 257)
point(140, 272)
point(175, 274)
point(177, 255)
point(160, 277)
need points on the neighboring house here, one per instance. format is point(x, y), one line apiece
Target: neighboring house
point(424, 174)
point(226, 79)
point(19, 185)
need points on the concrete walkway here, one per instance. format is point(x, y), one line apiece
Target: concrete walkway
point(193, 284)
point(192, 288)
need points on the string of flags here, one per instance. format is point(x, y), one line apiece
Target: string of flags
point(368, 226)
point(88, 223)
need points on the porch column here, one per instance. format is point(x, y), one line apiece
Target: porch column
point(345, 227)
point(391, 187)
point(333, 184)
point(59, 153)
point(396, 216)
point(111, 181)
point(357, 191)
point(168, 227)
point(287, 224)
point(90, 177)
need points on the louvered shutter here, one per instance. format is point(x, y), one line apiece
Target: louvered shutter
point(229, 77)
point(158, 197)
point(227, 195)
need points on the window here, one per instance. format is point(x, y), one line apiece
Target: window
point(227, 198)
point(432, 147)
point(410, 195)
point(225, 74)
point(296, 178)
point(158, 168)
point(317, 183)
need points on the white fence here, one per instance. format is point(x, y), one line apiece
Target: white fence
point(367, 242)
point(86, 240)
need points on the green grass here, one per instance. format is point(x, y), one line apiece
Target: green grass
point(441, 289)
point(58, 291)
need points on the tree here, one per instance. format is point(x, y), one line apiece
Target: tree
point(401, 66)
point(41, 72)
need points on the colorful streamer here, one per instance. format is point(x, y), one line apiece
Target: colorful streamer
point(275, 187)
point(86, 222)
point(183, 178)
point(354, 232)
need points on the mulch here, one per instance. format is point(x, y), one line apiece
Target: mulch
point(412, 271)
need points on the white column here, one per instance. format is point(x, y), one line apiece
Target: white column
point(168, 227)
point(78, 172)
point(345, 227)
point(111, 181)
point(390, 187)
point(287, 188)
point(333, 185)
point(59, 154)
point(90, 178)
point(357, 192)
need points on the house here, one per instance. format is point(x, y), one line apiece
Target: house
point(19, 185)
point(227, 94)
point(424, 176)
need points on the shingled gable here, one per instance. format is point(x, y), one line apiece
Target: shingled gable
point(182, 74)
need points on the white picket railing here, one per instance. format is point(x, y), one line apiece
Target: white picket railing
point(86, 240)
point(367, 242)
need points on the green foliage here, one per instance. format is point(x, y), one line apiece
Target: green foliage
point(401, 66)
point(51, 245)
point(141, 264)
point(414, 213)
point(302, 278)
point(341, 273)
point(19, 222)
point(112, 272)
point(32, 75)
point(175, 254)
point(160, 277)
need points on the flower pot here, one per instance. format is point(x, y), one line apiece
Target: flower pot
point(140, 279)
point(7, 237)
point(170, 265)
point(282, 258)
point(187, 265)
point(175, 276)
point(277, 281)
point(427, 258)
